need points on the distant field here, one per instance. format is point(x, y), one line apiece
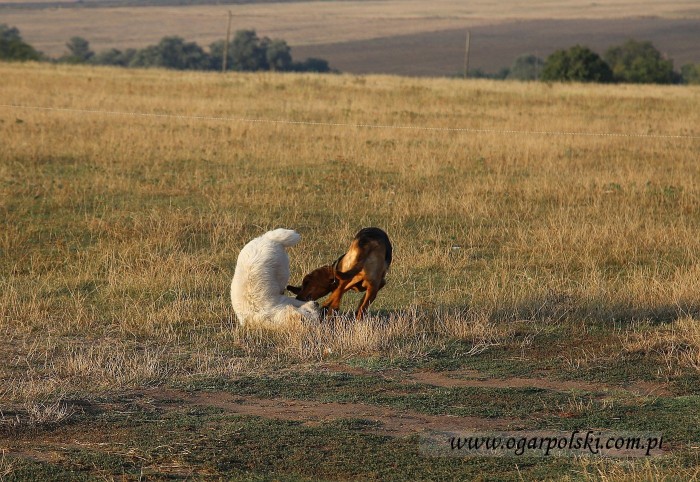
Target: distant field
point(496, 46)
point(546, 274)
point(408, 37)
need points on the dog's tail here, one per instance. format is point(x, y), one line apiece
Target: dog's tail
point(286, 237)
point(346, 275)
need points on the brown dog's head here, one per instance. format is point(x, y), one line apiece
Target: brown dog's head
point(316, 284)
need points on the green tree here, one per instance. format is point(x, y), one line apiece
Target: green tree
point(115, 57)
point(172, 53)
point(311, 64)
point(278, 54)
point(216, 55)
point(690, 74)
point(78, 51)
point(12, 47)
point(146, 57)
point(639, 63)
point(526, 67)
point(248, 52)
point(577, 64)
point(178, 54)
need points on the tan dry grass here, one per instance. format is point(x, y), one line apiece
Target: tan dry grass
point(411, 333)
point(601, 469)
point(677, 344)
point(120, 233)
point(7, 466)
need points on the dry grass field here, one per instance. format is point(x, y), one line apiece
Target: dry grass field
point(546, 273)
point(408, 37)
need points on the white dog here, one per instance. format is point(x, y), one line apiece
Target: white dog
point(261, 276)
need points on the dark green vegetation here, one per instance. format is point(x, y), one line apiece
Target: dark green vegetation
point(577, 64)
point(633, 62)
point(12, 47)
point(640, 63)
point(246, 52)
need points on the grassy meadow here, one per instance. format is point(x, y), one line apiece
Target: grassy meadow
point(546, 273)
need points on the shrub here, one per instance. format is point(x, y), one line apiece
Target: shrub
point(639, 63)
point(526, 67)
point(12, 47)
point(578, 64)
point(690, 74)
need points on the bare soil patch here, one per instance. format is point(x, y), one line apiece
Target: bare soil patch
point(474, 379)
point(51, 446)
point(389, 421)
point(49, 443)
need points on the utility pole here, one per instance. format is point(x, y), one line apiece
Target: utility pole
point(228, 39)
point(466, 55)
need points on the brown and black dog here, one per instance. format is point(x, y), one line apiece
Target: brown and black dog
point(362, 268)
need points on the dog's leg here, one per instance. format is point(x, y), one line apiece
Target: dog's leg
point(369, 297)
point(332, 304)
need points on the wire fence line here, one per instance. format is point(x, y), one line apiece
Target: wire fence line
point(252, 120)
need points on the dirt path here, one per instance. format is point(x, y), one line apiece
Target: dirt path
point(474, 378)
point(392, 421)
point(389, 421)
point(50, 447)
point(385, 420)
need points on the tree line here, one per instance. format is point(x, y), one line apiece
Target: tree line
point(246, 52)
point(632, 62)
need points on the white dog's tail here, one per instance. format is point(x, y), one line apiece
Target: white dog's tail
point(286, 237)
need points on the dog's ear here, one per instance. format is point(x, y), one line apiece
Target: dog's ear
point(294, 289)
